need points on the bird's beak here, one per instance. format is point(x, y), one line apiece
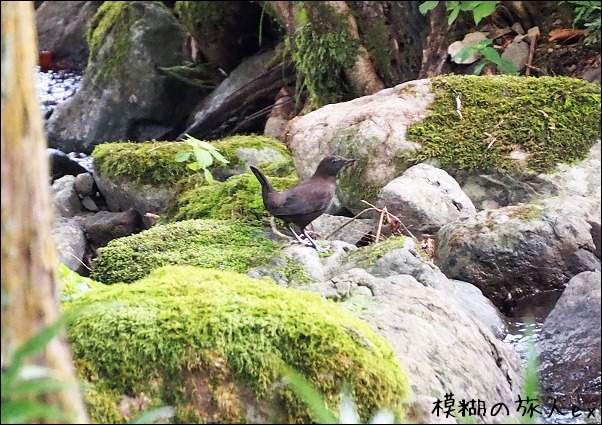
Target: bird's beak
point(350, 161)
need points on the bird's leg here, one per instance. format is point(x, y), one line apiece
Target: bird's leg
point(301, 241)
point(315, 244)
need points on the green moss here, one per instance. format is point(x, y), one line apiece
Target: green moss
point(322, 51)
point(226, 245)
point(112, 19)
point(551, 119)
point(527, 212)
point(238, 198)
point(193, 14)
point(154, 162)
point(368, 255)
point(198, 339)
point(102, 405)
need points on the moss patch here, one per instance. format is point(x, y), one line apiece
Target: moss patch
point(322, 51)
point(112, 19)
point(368, 255)
point(193, 14)
point(154, 162)
point(226, 245)
point(550, 119)
point(238, 198)
point(183, 323)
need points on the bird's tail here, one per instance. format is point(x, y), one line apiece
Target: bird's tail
point(265, 184)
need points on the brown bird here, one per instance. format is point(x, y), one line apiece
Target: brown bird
point(307, 200)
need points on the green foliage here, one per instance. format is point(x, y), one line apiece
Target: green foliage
point(492, 55)
point(183, 325)
point(204, 153)
point(479, 9)
point(589, 13)
point(73, 285)
point(21, 383)
point(221, 244)
point(551, 120)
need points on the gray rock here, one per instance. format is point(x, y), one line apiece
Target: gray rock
point(521, 250)
point(352, 233)
point(474, 302)
point(470, 39)
point(516, 53)
point(425, 198)
point(569, 345)
point(84, 184)
point(89, 204)
point(138, 96)
point(104, 226)
point(440, 346)
point(319, 267)
point(123, 195)
point(71, 243)
point(383, 261)
point(66, 201)
point(503, 188)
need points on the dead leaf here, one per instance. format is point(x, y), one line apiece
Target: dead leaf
point(565, 35)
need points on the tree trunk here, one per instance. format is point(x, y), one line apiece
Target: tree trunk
point(435, 53)
point(29, 259)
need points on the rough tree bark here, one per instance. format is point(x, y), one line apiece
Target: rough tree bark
point(29, 260)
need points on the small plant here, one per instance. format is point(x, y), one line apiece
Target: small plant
point(204, 153)
point(479, 9)
point(589, 13)
point(485, 48)
point(22, 382)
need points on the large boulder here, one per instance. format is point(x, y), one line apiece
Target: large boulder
point(122, 96)
point(459, 123)
point(515, 251)
point(569, 345)
point(444, 349)
point(215, 344)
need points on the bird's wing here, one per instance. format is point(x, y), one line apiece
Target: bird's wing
point(306, 198)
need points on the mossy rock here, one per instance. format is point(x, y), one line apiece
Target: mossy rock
point(213, 344)
point(237, 198)
point(154, 162)
point(223, 244)
point(508, 123)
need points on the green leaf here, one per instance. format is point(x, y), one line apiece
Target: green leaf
point(36, 344)
point(182, 156)
point(453, 16)
point(219, 156)
point(208, 176)
point(26, 411)
point(483, 9)
point(206, 145)
point(426, 6)
point(193, 166)
point(492, 55)
point(307, 393)
point(479, 68)
point(203, 158)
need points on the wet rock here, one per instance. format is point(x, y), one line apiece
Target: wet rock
point(104, 226)
point(441, 347)
point(71, 243)
point(569, 345)
point(521, 250)
point(62, 164)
